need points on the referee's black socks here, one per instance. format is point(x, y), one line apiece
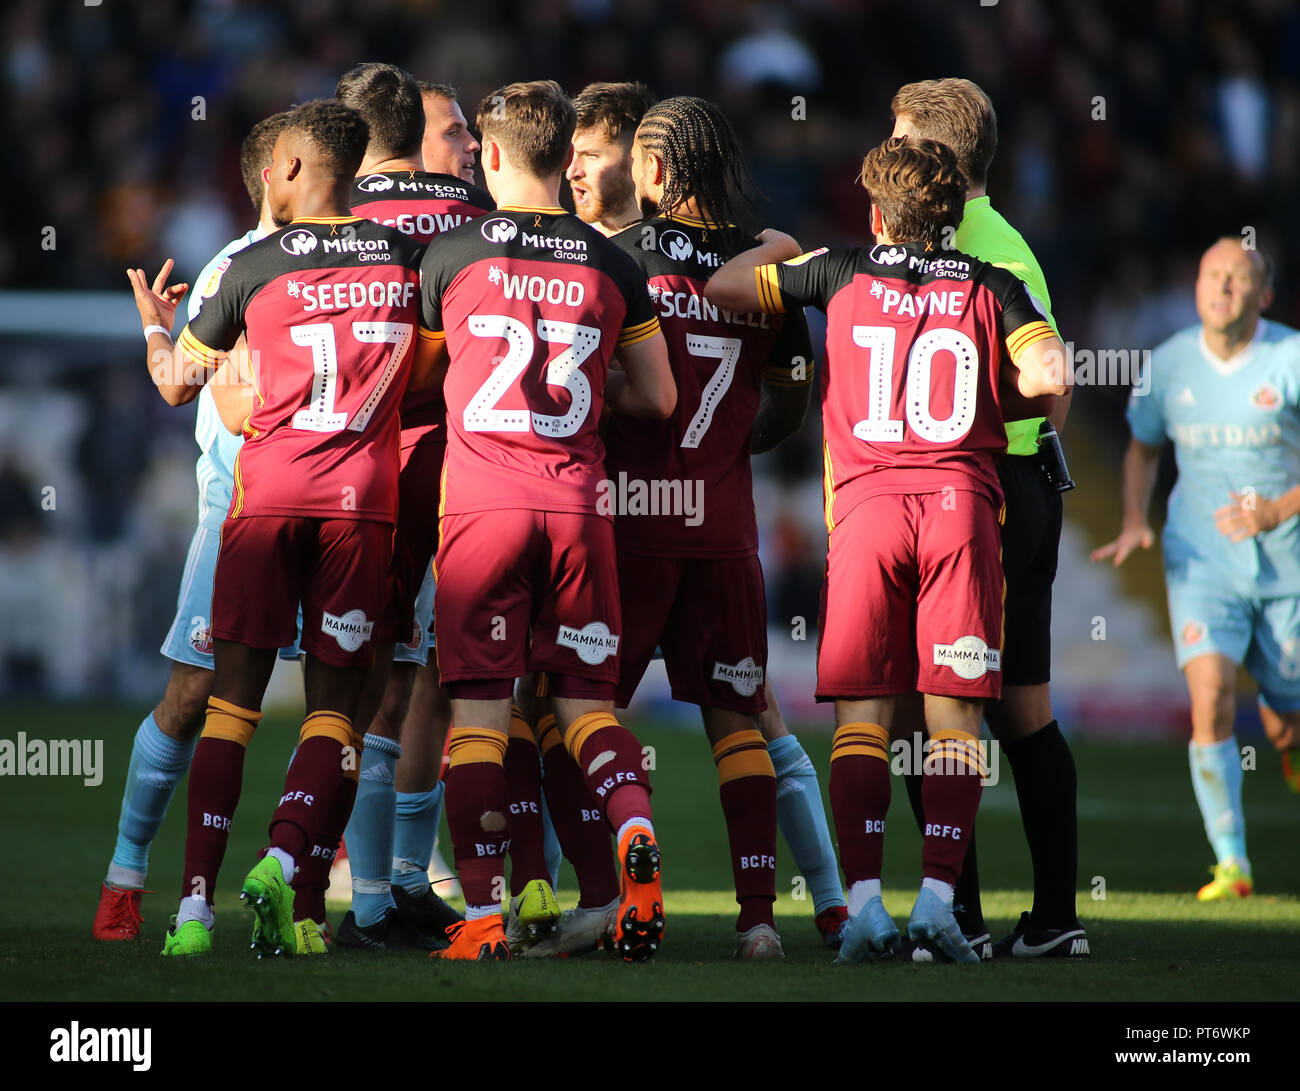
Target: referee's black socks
point(1047, 787)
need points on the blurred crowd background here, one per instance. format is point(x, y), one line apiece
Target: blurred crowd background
point(1131, 136)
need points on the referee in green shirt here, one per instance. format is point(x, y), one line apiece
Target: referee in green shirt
point(958, 113)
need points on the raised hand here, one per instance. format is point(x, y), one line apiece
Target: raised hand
point(157, 302)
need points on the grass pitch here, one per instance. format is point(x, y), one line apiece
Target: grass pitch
point(1141, 846)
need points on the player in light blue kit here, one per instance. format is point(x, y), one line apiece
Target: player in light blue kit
point(165, 741)
point(1227, 393)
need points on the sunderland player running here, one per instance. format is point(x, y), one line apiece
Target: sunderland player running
point(329, 307)
point(164, 742)
point(529, 305)
point(393, 188)
point(1227, 393)
point(957, 113)
point(690, 583)
point(912, 416)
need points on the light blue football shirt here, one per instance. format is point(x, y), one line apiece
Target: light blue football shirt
point(1235, 425)
point(215, 469)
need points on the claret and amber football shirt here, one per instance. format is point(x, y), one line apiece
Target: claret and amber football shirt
point(914, 342)
point(330, 308)
point(533, 304)
point(422, 205)
point(720, 359)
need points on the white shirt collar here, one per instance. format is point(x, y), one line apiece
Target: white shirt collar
point(1236, 362)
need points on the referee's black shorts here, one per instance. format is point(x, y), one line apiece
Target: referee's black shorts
point(1031, 536)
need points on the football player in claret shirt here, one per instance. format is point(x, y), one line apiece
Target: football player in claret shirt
point(689, 575)
point(600, 173)
point(958, 113)
point(687, 160)
point(393, 188)
point(600, 181)
point(912, 415)
point(164, 742)
point(530, 305)
point(329, 305)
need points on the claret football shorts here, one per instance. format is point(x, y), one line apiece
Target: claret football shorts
point(912, 599)
point(521, 590)
point(337, 568)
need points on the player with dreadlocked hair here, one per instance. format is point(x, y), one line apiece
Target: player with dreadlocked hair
point(689, 575)
point(688, 162)
point(701, 161)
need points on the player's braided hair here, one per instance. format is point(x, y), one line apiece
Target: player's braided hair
point(918, 187)
point(338, 131)
point(702, 160)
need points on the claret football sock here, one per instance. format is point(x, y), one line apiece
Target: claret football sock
point(950, 796)
point(327, 757)
point(523, 774)
point(747, 787)
point(801, 816)
point(216, 778)
point(158, 762)
point(477, 814)
point(860, 791)
point(609, 757)
point(579, 821)
point(369, 832)
point(1216, 780)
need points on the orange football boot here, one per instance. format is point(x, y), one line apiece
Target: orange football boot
point(639, 923)
point(481, 940)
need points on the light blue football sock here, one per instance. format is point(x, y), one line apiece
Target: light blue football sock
point(550, 846)
point(802, 818)
point(413, 837)
point(1216, 780)
point(370, 831)
point(158, 762)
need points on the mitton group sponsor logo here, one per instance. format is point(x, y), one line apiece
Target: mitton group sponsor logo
point(559, 246)
point(744, 677)
point(882, 254)
point(594, 643)
point(116, 1045)
point(677, 246)
point(350, 631)
point(662, 496)
point(375, 183)
point(369, 249)
point(298, 242)
point(951, 268)
point(499, 229)
point(968, 657)
point(24, 757)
